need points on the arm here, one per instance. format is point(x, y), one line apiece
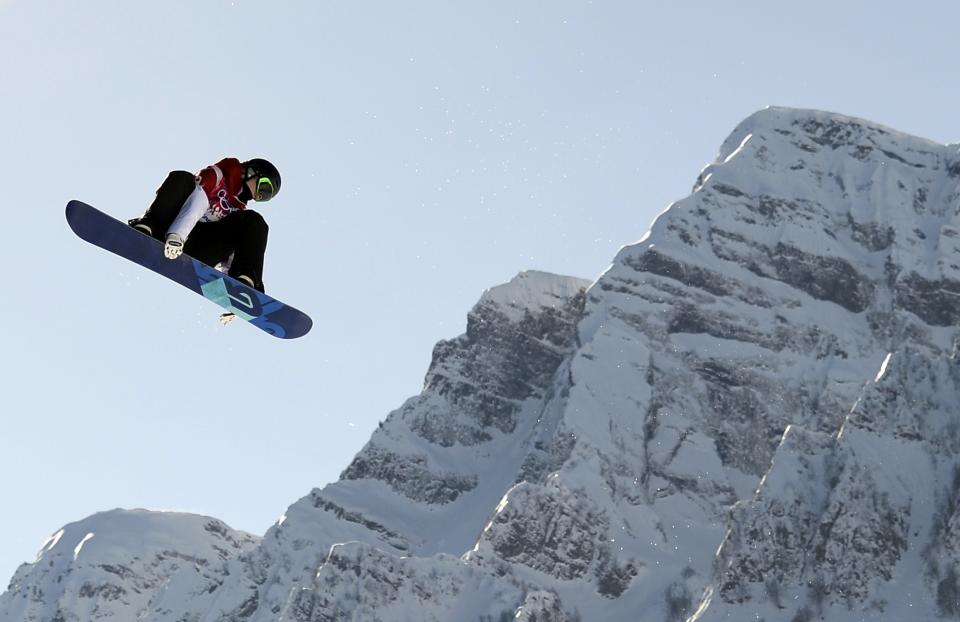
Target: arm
point(190, 214)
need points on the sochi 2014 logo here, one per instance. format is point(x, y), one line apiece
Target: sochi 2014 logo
point(223, 208)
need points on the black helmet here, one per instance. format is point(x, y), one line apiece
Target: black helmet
point(267, 176)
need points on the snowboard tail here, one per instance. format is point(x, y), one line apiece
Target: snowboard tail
point(265, 312)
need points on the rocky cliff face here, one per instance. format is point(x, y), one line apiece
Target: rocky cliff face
point(842, 518)
point(750, 415)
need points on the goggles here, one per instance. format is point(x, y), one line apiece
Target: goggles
point(264, 189)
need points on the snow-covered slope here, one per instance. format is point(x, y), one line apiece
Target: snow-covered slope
point(750, 415)
point(842, 519)
point(120, 564)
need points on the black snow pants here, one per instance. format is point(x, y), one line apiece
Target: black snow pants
point(243, 233)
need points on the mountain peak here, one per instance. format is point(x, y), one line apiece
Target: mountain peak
point(532, 291)
point(829, 128)
point(105, 533)
point(115, 563)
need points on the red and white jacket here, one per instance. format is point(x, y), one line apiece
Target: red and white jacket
point(217, 196)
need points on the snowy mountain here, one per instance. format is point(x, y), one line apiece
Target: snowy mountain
point(121, 564)
point(752, 414)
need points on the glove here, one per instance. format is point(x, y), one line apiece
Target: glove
point(227, 317)
point(174, 246)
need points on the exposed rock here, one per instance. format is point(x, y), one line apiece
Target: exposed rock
point(771, 373)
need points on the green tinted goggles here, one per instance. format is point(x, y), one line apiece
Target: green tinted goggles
point(264, 189)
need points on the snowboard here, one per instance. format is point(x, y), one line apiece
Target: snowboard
point(263, 311)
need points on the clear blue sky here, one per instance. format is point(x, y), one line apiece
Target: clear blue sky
point(429, 150)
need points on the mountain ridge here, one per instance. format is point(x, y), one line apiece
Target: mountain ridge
point(698, 434)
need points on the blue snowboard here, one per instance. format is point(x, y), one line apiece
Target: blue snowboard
point(267, 314)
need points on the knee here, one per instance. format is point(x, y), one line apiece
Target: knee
point(252, 221)
point(180, 180)
point(181, 175)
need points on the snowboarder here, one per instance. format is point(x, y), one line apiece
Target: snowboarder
point(267, 313)
point(206, 216)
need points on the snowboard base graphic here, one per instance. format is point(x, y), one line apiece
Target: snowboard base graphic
point(263, 311)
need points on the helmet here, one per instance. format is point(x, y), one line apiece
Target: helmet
point(267, 176)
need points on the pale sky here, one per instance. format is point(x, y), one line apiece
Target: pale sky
point(429, 150)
